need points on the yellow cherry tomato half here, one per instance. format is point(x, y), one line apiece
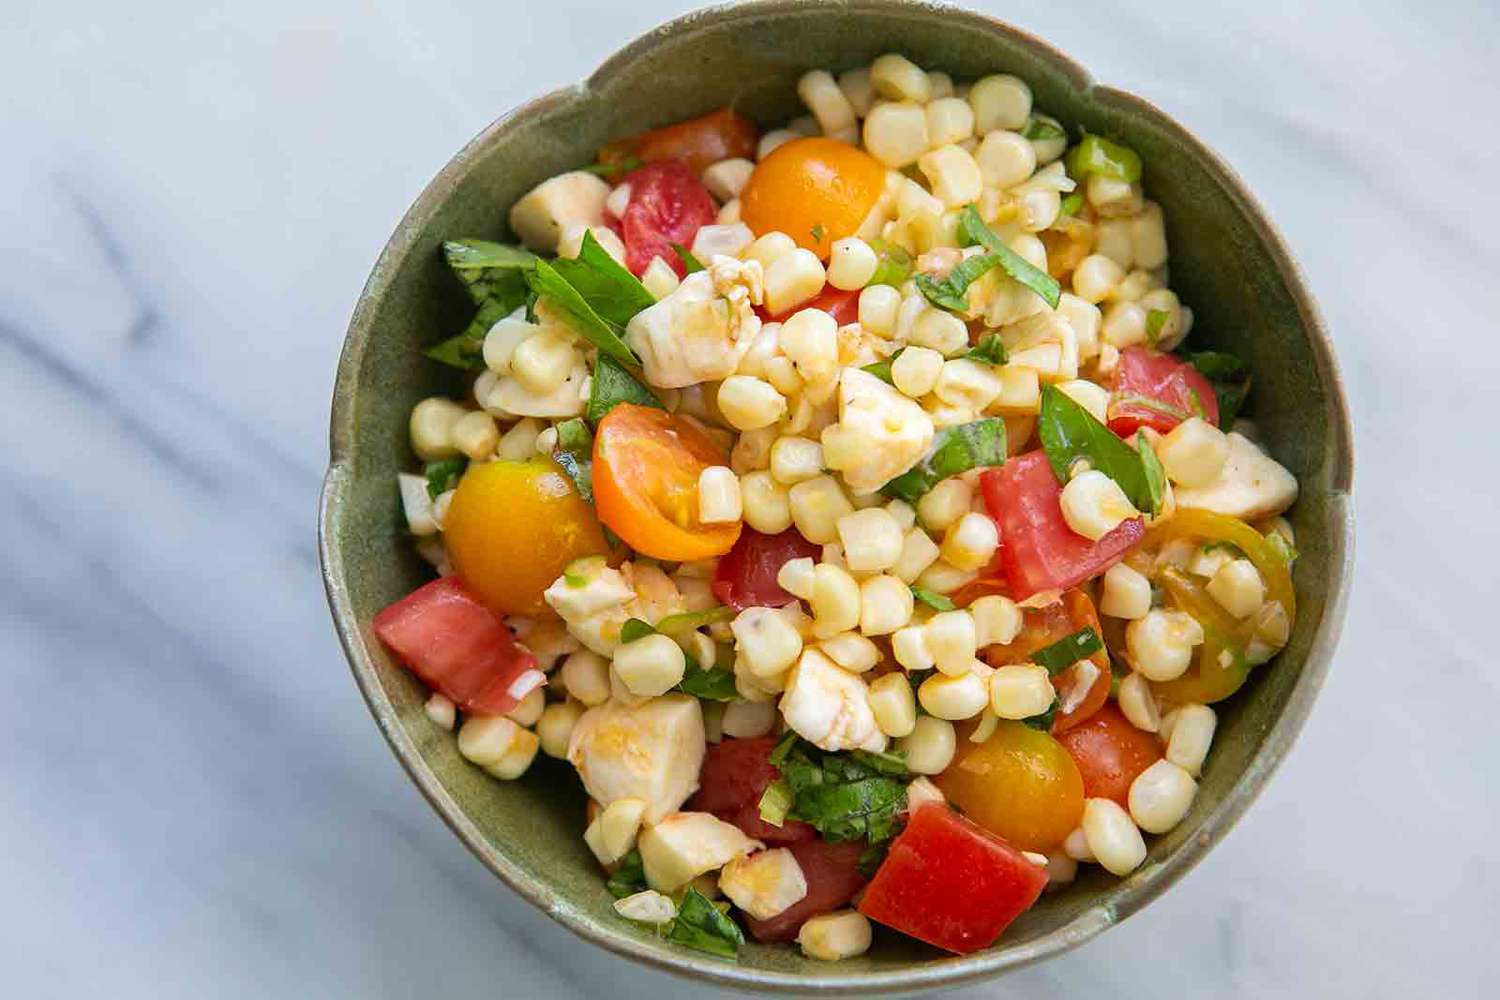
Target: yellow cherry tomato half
point(1020, 784)
point(513, 526)
point(646, 467)
point(815, 190)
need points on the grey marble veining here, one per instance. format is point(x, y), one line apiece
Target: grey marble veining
point(193, 800)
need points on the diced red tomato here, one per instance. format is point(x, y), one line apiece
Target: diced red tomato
point(951, 883)
point(746, 575)
point(1110, 753)
point(668, 204)
point(842, 305)
point(1159, 391)
point(734, 775)
point(1041, 627)
point(1038, 549)
point(723, 134)
point(459, 647)
point(833, 877)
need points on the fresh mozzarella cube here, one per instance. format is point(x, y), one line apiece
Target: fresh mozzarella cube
point(509, 396)
point(680, 847)
point(766, 642)
point(648, 907)
point(555, 728)
point(833, 937)
point(880, 433)
point(829, 707)
point(416, 504)
point(650, 752)
point(765, 883)
point(1193, 453)
point(727, 178)
point(1251, 485)
point(694, 335)
point(540, 217)
point(587, 586)
point(1094, 505)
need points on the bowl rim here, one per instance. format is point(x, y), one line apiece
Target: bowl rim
point(1123, 899)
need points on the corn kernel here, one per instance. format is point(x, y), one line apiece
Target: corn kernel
point(431, 428)
point(1094, 505)
point(810, 339)
point(792, 279)
point(796, 459)
point(1021, 690)
point(1138, 703)
point(930, 745)
point(1112, 197)
point(1112, 836)
point(851, 651)
point(835, 601)
point(896, 133)
point(585, 676)
point(897, 78)
point(909, 646)
point(796, 577)
point(885, 605)
point(1238, 588)
point(833, 937)
point(918, 552)
point(878, 305)
point(816, 506)
point(749, 403)
point(1126, 593)
point(1005, 159)
point(945, 503)
point(851, 263)
point(746, 720)
point(916, 370)
point(871, 540)
point(942, 578)
point(970, 541)
point(541, 363)
point(952, 174)
point(858, 89)
point(834, 114)
point(1192, 735)
point(939, 330)
point(952, 642)
point(1161, 644)
point(765, 641)
point(950, 120)
point(1193, 453)
point(1001, 101)
point(769, 248)
point(893, 704)
point(718, 496)
point(997, 619)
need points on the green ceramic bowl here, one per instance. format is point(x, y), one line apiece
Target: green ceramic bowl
point(1227, 261)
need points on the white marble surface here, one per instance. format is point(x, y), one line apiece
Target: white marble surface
point(193, 799)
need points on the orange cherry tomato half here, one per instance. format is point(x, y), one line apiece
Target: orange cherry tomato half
point(1041, 627)
point(512, 527)
point(646, 467)
point(815, 190)
point(1019, 784)
point(1110, 753)
point(719, 135)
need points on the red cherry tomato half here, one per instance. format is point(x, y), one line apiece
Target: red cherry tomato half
point(1038, 549)
point(459, 647)
point(951, 883)
point(734, 776)
point(1159, 391)
point(668, 204)
point(724, 134)
point(746, 575)
point(842, 305)
point(833, 877)
point(1110, 753)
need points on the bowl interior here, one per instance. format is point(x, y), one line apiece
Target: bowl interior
point(1225, 263)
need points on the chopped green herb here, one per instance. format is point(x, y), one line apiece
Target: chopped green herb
point(1043, 721)
point(490, 270)
point(893, 264)
point(702, 926)
point(1038, 129)
point(602, 333)
point(1071, 204)
point(845, 796)
point(990, 349)
point(952, 292)
point(613, 384)
point(1283, 548)
point(634, 629)
point(1156, 476)
point(972, 227)
point(882, 369)
point(610, 290)
point(817, 233)
point(1070, 432)
point(575, 453)
point(1155, 320)
point(711, 683)
point(932, 599)
point(443, 475)
point(1231, 381)
point(629, 878)
point(1068, 650)
point(609, 171)
point(1098, 155)
point(675, 625)
point(573, 578)
point(691, 263)
point(775, 801)
point(956, 449)
point(466, 350)
point(872, 857)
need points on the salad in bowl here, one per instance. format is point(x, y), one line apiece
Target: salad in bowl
point(849, 506)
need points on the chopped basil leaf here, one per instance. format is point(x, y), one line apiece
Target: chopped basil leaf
point(882, 369)
point(932, 599)
point(775, 801)
point(634, 629)
point(882, 761)
point(783, 747)
point(1231, 381)
point(1155, 320)
point(575, 453)
point(951, 293)
point(817, 233)
point(702, 926)
point(629, 878)
point(602, 333)
point(691, 263)
point(844, 796)
point(466, 350)
point(610, 290)
point(1070, 432)
point(956, 449)
point(1071, 204)
point(609, 171)
point(443, 475)
point(675, 625)
point(1098, 155)
point(872, 857)
point(1038, 128)
point(1043, 721)
point(490, 270)
point(893, 263)
point(613, 384)
point(990, 349)
point(711, 683)
point(1156, 476)
point(1068, 650)
point(531, 297)
point(972, 227)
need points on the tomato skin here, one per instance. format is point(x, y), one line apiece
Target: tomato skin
point(833, 878)
point(951, 883)
point(457, 646)
point(812, 185)
point(1159, 391)
point(722, 134)
point(734, 776)
point(1020, 784)
point(646, 467)
point(1038, 549)
point(668, 204)
point(511, 529)
point(1041, 627)
point(1110, 753)
point(746, 576)
point(842, 305)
